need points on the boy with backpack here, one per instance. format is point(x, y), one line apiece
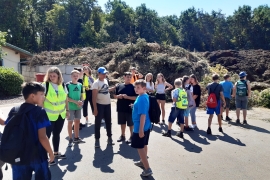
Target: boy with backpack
point(215, 92)
point(180, 104)
point(241, 92)
point(75, 100)
point(24, 143)
point(142, 125)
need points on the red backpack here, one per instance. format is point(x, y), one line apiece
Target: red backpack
point(212, 99)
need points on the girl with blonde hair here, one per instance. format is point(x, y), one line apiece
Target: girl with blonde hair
point(150, 87)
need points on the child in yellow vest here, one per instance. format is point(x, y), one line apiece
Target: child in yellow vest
point(179, 105)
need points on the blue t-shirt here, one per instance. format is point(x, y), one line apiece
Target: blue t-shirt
point(227, 88)
point(39, 120)
point(141, 106)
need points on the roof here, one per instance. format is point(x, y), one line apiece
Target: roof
point(23, 53)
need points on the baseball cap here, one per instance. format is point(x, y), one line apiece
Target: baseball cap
point(102, 70)
point(243, 74)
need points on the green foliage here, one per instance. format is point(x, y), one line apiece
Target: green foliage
point(265, 98)
point(10, 81)
point(2, 42)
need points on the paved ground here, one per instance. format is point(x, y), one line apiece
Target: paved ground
point(242, 152)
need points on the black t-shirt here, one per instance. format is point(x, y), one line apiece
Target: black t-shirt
point(197, 91)
point(80, 81)
point(123, 104)
point(215, 88)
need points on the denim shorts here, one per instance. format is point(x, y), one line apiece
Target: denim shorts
point(186, 113)
point(177, 113)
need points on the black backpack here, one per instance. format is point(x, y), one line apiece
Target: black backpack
point(17, 140)
point(154, 111)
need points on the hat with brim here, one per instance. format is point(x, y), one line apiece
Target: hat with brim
point(102, 70)
point(242, 74)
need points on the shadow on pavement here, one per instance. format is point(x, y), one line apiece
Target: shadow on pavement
point(159, 128)
point(188, 145)
point(87, 131)
point(103, 158)
point(197, 136)
point(248, 126)
point(128, 152)
point(148, 178)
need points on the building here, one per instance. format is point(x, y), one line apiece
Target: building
point(14, 56)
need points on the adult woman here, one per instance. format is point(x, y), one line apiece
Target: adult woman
point(196, 97)
point(150, 87)
point(88, 81)
point(56, 106)
point(160, 88)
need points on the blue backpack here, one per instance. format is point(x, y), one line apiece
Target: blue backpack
point(18, 138)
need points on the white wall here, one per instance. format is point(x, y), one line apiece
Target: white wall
point(11, 60)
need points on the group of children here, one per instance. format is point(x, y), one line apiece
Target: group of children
point(85, 89)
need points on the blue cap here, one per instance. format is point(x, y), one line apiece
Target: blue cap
point(102, 70)
point(243, 74)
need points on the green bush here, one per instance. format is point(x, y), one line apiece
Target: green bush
point(10, 81)
point(265, 98)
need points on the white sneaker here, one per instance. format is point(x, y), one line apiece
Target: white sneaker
point(102, 121)
point(193, 126)
point(86, 122)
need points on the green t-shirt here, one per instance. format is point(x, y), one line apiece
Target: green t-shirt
point(74, 92)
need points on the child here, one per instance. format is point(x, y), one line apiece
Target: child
point(150, 87)
point(227, 87)
point(75, 98)
point(175, 111)
point(160, 87)
point(33, 94)
point(142, 125)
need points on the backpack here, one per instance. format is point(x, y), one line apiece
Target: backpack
point(154, 111)
point(17, 138)
point(182, 101)
point(241, 88)
point(212, 99)
point(47, 87)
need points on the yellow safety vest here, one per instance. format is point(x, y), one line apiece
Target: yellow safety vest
point(85, 85)
point(54, 104)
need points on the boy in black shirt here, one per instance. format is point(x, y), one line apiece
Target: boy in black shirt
point(126, 95)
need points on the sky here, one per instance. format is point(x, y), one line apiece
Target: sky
point(174, 7)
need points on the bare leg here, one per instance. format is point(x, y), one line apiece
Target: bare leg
point(123, 129)
point(131, 130)
point(163, 109)
point(70, 129)
point(186, 121)
point(76, 128)
point(210, 120)
point(143, 157)
point(238, 113)
point(219, 120)
point(182, 127)
point(221, 111)
point(227, 112)
point(245, 114)
point(170, 126)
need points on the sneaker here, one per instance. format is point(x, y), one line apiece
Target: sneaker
point(209, 131)
point(110, 141)
point(238, 121)
point(52, 163)
point(70, 142)
point(102, 121)
point(228, 119)
point(129, 140)
point(121, 138)
point(138, 163)
point(78, 140)
point(147, 172)
point(163, 122)
point(245, 122)
point(180, 134)
point(166, 134)
point(86, 122)
point(60, 156)
point(193, 126)
point(220, 129)
point(188, 128)
point(97, 145)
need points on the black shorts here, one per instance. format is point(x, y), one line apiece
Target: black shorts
point(125, 118)
point(228, 102)
point(161, 97)
point(139, 143)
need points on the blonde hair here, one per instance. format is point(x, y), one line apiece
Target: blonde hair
point(75, 71)
point(163, 79)
point(54, 70)
point(149, 74)
point(178, 82)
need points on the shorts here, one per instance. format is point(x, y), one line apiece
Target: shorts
point(241, 102)
point(176, 113)
point(214, 110)
point(139, 143)
point(186, 112)
point(228, 102)
point(125, 118)
point(24, 172)
point(161, 97)
point(74, 114)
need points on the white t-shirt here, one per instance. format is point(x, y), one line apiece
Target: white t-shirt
point(55, 87)
point(103, 96)
point(148, 87)
point(191, 87)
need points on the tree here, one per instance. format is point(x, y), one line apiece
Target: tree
point(2, 42)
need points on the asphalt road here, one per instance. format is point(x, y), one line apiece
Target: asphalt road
point(241, 152)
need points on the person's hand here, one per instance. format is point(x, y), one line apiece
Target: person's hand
point(51, 156)
point(141, 134)
point(125, 96)
point(67, 114)
point(95, 112)
point(131, 106)
point(80, 103)
point(224, 104)
point(232, 96)
point(119, 96)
